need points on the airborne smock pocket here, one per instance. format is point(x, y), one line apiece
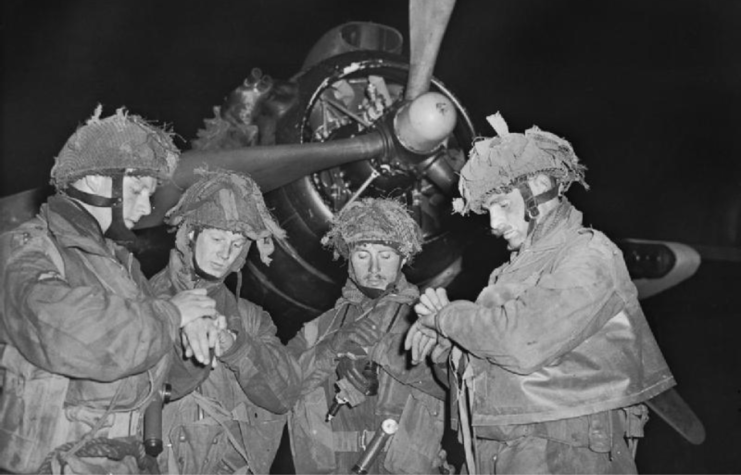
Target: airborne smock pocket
point(416, 445)
point(31, 412)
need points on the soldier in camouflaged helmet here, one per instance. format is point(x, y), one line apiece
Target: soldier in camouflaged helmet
point(217, 220)
point(377, 237)
point(114, 148)
point(225, 201)
point(555, 354)
point(85, 344)
point(355, 371)
point(539, 165)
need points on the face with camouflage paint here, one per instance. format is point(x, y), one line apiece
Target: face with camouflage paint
point(137, 192)
point(375, 265)
point(216, 250)
point(507, 217)
point(507, 211)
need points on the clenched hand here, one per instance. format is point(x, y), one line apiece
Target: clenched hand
point(200, 336)
point(199, 330)
point(423, 338)
point(193, 304)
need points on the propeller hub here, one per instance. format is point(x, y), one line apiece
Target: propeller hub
point(422, 125)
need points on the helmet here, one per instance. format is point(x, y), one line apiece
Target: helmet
point(374, 220)
point(112, 145)
point(500, 164)
point(228, 201)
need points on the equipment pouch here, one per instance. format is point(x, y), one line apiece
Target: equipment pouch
point(635, 418)
point(261, 433)
point(312, 441)
point(600, 432)
point(31, 412)
point(416, 445)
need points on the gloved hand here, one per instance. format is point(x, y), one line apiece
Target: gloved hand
point(363, 333)
point(362, 373)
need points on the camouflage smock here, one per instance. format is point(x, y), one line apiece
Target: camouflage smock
point(409, 395)
point(248, 393)
point(80, 334)
point(558, 332)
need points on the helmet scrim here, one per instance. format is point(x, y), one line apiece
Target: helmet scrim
point(499, 164)
point(112, 145)
point(228, 201)
point(377, 221)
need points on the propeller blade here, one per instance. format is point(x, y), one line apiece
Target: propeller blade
point(670, 406)
point(270, 166)
point(428, 20)
point(421, 126)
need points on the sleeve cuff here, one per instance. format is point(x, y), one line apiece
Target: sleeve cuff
point(240, 346)
point(172, 314)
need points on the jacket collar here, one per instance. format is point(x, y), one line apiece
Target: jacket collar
point(73, 226)
point(555, 228)
point(182, 275)
point(181, 267)
point(403, 292)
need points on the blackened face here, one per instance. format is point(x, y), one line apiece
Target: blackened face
point(137, 192)
point(375, 265)
point(507, 217)
point(216, 250)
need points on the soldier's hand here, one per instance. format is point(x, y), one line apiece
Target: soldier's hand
point(361, 373)
point(433, 300)
point(226, 340)
point(441, 349)
point(420, 341)
point(193, 304)
point(200, 336)
point(365, 333)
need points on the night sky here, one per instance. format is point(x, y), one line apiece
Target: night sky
point(647, 92)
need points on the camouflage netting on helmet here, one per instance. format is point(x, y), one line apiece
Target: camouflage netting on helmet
point(380, 221)
point(111, 145)
point(228, 201)
point(498, 164)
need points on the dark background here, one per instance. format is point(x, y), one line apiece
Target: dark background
point(647, 92)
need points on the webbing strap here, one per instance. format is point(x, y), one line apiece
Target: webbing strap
point(458, 360)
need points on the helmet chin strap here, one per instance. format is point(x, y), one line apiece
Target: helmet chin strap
point(117, 230)
point(198, 271)
point(532, 201)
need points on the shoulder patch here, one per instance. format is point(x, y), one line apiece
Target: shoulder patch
point(25, 233)
point(33, 235)
point(19, 239)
